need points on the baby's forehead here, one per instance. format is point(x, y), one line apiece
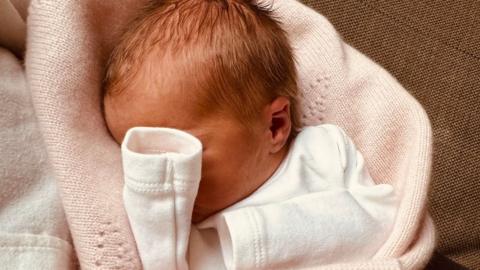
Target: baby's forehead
point(136, 108)
point(166, 110)
point(165, 96)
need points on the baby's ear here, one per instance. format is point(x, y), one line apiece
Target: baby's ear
point(280, 123)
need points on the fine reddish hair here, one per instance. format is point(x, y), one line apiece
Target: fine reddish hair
point(232, 55)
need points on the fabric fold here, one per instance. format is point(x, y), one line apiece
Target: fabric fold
point(162, 170)
point(35, 251)
point(158, 156)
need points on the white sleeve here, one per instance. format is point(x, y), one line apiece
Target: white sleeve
point(377, 199)
point(343, 216)
point(162, 169)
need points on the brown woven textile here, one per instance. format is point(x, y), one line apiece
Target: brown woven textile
point(433, 49)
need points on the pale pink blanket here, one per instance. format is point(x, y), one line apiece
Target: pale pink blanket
point(68, 43)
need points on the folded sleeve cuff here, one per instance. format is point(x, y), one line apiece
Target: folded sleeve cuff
point(242, 239)
point(155, 157)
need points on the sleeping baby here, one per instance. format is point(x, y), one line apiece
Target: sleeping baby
point(202, 95)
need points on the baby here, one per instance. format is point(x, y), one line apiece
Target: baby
point(202, 95)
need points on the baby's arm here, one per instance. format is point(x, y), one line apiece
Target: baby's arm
point(377, 199)
point(341, 216)
point(162, 169)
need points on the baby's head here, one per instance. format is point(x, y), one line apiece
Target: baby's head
point(222, 70)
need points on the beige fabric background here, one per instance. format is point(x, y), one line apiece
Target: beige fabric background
point(433, 49)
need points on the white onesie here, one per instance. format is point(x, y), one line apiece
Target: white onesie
point(319, 207)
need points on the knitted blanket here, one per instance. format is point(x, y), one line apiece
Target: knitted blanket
point(433, 49)
point(68, 43)
point(33, 227)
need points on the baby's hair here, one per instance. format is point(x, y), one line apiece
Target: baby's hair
point(233, 54)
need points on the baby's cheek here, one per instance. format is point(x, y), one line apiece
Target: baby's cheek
point(207, 162)
point(215, 167)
